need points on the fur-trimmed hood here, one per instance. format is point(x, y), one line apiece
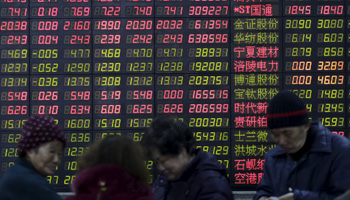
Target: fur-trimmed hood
point(107, 182)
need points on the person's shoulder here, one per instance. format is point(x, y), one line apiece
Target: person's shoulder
point(15, 173)
point(22, 182)
point(336, 141)
point(334, 145)
point(340, 145)
point(325, 134)
point(207, 164)
point(327, 141)
point(340, 140)
point(210, 176)
point(21, 174)
point(212, 182)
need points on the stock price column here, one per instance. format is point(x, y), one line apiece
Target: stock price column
point(108, 65)
point(75, 35)
point(14, 112)
point(138, 98)
point(14, 73)
point(14, 79)
point(314, 55)
point(13, 86)
point(14, 58)
point(170, 44)
point(256, 62)
point(77, 82)
point(14, 39)
point(207, 110)
point(107, 90)
point(77, 143)
point(169, 37)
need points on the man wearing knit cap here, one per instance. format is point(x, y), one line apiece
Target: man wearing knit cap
point(309, 162)
point(40, 151)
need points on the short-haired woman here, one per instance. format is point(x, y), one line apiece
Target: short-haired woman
point(113, 168)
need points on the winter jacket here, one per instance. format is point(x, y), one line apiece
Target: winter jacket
point(23, 182)
point(322, 173)
point(203, 179)
point(109, 182)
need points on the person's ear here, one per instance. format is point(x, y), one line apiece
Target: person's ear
point(307, 126)
point(183, 152)
point(30, 154)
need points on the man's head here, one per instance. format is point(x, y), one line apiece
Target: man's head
point(170, 144)
point(288, 121)
point(41, 143)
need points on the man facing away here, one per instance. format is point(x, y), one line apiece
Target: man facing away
point(309, 162)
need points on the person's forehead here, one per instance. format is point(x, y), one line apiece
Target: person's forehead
point(51, 144)
point(284, 130)
point(156, 154)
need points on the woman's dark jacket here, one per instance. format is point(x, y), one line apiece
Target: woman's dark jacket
point(204, 178)
point(322, 173)
point(23, 182)
point(109, 182)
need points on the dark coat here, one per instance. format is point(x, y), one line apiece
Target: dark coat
point(204, 178)
point(23, 182)
point(109, 182)
point(320, 174)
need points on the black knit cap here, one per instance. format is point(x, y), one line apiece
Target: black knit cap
point(286, 110)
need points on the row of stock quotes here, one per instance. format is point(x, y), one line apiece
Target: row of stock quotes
point(103, 67)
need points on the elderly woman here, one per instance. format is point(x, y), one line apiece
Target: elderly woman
point(112, 169)
point(40, 150)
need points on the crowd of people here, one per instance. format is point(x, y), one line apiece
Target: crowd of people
point(308, 162)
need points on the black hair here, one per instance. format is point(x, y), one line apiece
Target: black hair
point(118, 150)
point(168, 136)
